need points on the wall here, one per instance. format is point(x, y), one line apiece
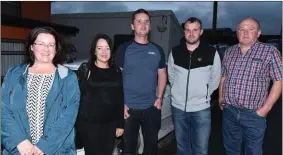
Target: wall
point(162, 39)
point(176, 33)
point(36, 10)
point(32, 10)
point(89, 27)
point(8, 32)
point(91, 24)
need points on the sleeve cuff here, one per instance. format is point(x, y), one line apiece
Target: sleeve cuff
point(120, 124)
point(43, 146)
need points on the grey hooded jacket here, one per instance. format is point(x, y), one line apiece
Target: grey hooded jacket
point(193, 77)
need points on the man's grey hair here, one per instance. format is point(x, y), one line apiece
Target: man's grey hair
point(251, 18)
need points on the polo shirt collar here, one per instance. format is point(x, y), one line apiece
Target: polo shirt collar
point(253, 46)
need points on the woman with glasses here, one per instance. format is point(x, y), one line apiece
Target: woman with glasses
point(101, 114)
point(40, 100)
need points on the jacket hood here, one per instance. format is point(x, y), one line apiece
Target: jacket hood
point(62, 70)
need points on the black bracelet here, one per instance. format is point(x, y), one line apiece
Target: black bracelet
point(159, 98)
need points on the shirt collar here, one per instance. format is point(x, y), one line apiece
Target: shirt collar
point(256, 44)
point(253, 46)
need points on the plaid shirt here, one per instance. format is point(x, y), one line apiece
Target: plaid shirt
point(247, 77)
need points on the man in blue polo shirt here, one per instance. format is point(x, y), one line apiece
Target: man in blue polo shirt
point(144, 71)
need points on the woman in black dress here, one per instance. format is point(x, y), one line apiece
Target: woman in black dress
point(101, 112)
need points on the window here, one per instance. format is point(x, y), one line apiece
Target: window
point(11, 8)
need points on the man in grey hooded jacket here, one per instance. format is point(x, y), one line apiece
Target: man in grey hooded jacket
point(194, 70)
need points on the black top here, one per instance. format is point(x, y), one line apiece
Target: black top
point(202, 56)
point(102, 97)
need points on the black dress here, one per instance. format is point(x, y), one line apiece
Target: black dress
point(101, 110)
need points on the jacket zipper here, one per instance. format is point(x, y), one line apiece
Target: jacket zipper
point(206, 93)
point(188, 83)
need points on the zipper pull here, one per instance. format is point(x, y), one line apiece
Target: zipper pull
point(61, 99)
point(11, 91)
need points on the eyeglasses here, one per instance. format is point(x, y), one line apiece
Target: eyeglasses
point(42, 45)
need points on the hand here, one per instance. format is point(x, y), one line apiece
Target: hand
point(37, 151)
point(262, 111)
point(119, 132)
point(25, 147)
point(126, 114)
point(220, 103)
point(157, 103)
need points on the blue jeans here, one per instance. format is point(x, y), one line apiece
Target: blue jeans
point(192, 131)
point(242, 125)
point(150, 122)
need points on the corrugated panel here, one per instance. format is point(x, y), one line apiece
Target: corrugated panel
point(8, 61)
point(12, 53)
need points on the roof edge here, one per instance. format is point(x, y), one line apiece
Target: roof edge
point(31, 23)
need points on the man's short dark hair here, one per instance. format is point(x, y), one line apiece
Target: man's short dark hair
point(193, 20)
point(137, 12)
point(59, 55)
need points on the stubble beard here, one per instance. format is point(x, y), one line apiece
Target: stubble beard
point(192, 42)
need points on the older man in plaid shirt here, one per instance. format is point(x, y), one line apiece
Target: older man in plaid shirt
point(247, 70)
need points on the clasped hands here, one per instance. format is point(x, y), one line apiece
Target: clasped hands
point(27, 148)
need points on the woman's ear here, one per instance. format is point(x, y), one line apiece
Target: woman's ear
point(31, 47)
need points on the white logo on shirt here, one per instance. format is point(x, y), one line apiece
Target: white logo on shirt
point(152, 53)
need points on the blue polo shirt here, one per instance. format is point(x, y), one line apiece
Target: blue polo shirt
point(140, 63)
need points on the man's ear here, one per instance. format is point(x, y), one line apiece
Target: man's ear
point(201, 31)
point(132, 26)
point(258, 33)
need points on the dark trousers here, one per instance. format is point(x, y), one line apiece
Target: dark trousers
point(97, 139)
point(150, 122)
point(242, 125)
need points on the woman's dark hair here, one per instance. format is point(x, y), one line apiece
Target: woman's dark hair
point(93, 57)
point(59, 55)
